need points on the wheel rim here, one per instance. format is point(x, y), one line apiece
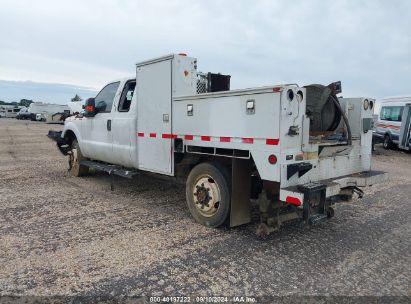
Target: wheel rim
point(206, 195)
point(386, 142)
point(73, 158)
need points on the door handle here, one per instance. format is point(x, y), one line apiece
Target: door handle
point(108, 124)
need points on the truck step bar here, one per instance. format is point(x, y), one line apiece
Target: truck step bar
point(110, 169)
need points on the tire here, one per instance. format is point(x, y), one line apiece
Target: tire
point(75, 157)
point(208, 194)
point(387, 143)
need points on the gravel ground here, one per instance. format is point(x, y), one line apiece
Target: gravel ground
point(61, 235)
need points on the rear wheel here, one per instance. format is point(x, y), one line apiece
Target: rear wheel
point(387, 144)
point(208, 194)
point(75, 158)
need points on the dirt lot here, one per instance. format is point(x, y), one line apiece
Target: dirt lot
point(62, 235)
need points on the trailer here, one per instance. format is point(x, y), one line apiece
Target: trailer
point(294, 151)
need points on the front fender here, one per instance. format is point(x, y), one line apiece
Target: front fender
point(72, 130)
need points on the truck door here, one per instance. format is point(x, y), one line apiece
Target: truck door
point(154, 141)
point(97, 137)
point(405, 131)
point(123, 126)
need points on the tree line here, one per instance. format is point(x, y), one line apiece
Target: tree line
point(27, 102)
point(22, 102)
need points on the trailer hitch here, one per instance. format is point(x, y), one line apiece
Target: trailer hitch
point(359, 192)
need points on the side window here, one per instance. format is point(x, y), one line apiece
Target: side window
point(104, 99)
point(391, 113)
point(384, 113)
point(127, 96)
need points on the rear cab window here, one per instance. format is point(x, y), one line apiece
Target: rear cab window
point(127, 96)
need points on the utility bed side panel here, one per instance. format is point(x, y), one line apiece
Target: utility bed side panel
point(224, 122)
point(227, 116)
point(154, 117)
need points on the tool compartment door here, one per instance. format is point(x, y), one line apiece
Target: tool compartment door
point(154, 139)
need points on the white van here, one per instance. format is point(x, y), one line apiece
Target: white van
point(388, 125)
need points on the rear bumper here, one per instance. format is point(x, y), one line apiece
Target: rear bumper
point(295, 195)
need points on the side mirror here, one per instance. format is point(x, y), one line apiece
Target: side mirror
point(90, 108)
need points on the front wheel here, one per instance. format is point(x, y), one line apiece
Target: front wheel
point(75, 158)
point(387, 144)
point(208, 194)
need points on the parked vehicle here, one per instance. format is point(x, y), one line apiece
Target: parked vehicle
point(24, 114)
point(40, 110)
point(295, 150)
point(40, 117)
point(390, 120)
point(405, 131)
point(9, 111)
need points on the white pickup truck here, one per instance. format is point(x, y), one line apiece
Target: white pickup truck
point(294, 150)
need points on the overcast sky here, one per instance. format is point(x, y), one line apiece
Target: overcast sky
point(366, 44)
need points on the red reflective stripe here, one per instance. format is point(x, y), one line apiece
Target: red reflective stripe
point(293, 200)
point(247, 140)
point(170, 136)
point(272, 141)
point(226, 139)
point(277, 89)
point(388, 126)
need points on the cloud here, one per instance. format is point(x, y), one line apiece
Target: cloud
point(45, 92)
point(366, 44)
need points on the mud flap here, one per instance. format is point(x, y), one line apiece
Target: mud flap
point(240, 211)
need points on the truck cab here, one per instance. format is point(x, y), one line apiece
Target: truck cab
point(107, 136)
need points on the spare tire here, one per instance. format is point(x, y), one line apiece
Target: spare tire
point(322, 111)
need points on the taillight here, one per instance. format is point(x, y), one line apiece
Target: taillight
point(272, 159)
point(293, 200)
